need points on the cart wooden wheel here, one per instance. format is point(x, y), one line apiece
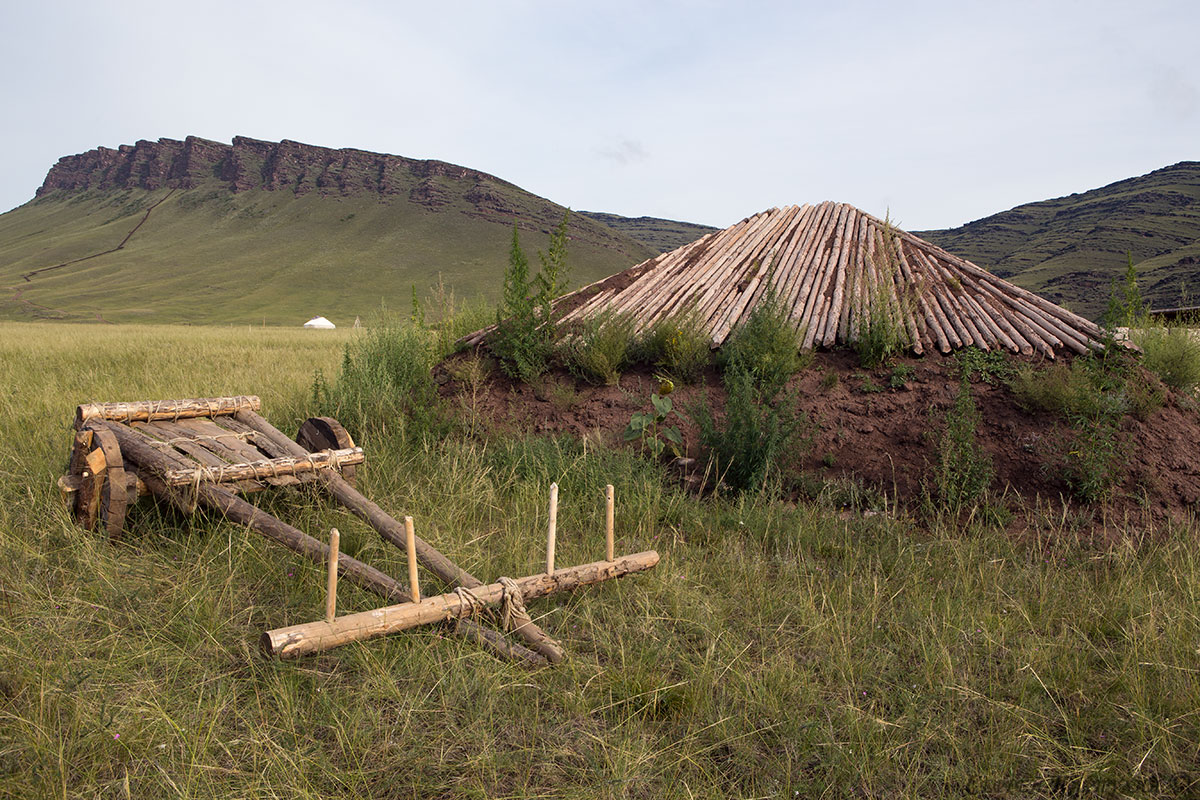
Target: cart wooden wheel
point(326, 433)
point(104, 488)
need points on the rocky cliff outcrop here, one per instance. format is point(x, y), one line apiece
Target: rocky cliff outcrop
point(255, 164)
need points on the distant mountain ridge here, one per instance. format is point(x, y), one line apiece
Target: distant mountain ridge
point(1071, 249)
point(194, 230)
point(248, 164)
point(661, 235)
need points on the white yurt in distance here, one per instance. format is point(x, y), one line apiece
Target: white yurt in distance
point(319, 322)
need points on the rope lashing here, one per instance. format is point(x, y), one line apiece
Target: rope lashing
point(468, 599)
point(512, 606)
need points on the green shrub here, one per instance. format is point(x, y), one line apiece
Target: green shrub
point(523, 340)
point(1093, 394)
point(880, 335)
point(1094, 463)
point(384, 380)
point(1172, 353)
point(879, 332)
point(754, 439)
point(964, 471)
point(991, 366)
point(601, 349)
point(766, 348)
point(677, 345)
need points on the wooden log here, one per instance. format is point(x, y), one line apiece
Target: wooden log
point(315, 637)
point(797, 297)
point(149, 410)
point(391, 530)
point(811, 291)
point(265, 468)
point(830, 327)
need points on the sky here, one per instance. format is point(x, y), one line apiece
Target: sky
point(935, 112)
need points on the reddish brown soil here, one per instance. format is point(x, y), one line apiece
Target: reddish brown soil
point(885, 440)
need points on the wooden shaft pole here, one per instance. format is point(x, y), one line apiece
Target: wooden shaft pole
point(313, 637)
point(266, 468)
point(331, 581)
point(552, 529)
point(148, 410)
point(608, 523)
point(411, 546)
point(389, 528)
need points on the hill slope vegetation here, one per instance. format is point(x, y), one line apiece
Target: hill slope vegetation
point(201, 232)
point(1071, 249)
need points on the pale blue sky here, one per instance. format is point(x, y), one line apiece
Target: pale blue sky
point(942, 112)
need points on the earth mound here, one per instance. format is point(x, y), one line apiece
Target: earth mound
point(877, 432)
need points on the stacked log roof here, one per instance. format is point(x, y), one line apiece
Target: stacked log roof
point(833, 268)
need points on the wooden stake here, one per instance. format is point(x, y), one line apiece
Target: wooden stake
point(552, 530)
point(608, 522)
point(410, 541)
point(331, 582)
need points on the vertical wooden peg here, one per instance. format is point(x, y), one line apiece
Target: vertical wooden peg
point(608, 522)
point(331, 583)
point(410, 541)
point(553, 529)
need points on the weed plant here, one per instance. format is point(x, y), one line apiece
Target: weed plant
point(678, 346)
point(1172, 352)
point(757, 437)
point(601, 349)
point(523, 341)
point(964, 471)
point(384, 381)
point(1092, 395)
point(880, 332)
point(766, 348)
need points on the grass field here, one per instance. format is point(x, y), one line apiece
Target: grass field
point(778, 650)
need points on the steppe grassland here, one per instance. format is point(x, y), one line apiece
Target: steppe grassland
point(777, 649)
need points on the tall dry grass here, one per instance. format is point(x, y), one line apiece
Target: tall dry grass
point(777, 650)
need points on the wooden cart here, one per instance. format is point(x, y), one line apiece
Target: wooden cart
point(212, 453)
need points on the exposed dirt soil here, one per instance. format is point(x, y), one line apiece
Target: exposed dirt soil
point(870, 432)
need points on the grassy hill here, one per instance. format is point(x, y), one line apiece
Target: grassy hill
point(208, 250)
point(1070, 249)
point(660, 235)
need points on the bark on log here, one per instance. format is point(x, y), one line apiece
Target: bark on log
point(314, 637)
point(149, 410)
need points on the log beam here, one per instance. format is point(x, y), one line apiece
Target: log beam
point(266, 468)
point(314, 637)
point(150, 410)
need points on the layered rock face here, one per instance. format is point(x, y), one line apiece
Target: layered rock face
point(254, 164)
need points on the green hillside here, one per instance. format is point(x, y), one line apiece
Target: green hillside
point(209, 254)
point(660, 235)
point(1071, 249)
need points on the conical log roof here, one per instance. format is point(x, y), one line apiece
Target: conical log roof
point(834, 268)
